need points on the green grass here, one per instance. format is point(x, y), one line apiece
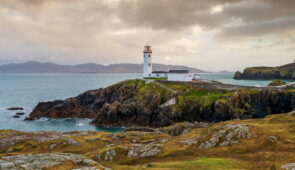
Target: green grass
point(202, 163)
point(162, 78)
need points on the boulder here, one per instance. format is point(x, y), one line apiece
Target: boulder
point(291, 113)
point(15, 108)
point(14, 139)
point(290, 166)
point(20, 113)
point(272, 138)
point(182, 128)
point(220, 136)
point(277, 83)
point(148, 150)
point(16, 116)
point(45, 161)
point(224, 135)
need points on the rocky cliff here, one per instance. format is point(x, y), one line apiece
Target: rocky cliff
point(286, 72)
point(158, 104)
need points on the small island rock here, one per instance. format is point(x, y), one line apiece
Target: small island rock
point(15, 108)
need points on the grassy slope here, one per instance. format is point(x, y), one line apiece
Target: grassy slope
point(256, 152)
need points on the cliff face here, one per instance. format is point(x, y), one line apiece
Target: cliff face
point(135, 103)
point(124, 104)
point(283, 72)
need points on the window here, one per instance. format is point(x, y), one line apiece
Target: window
point(149, 64)
point(149, 56)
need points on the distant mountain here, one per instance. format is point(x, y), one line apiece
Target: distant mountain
point(38, 67)
point(286, 72)
point(226, 72)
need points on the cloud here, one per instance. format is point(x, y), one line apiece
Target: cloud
point(190, 32)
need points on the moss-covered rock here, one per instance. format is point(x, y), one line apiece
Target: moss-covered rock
point(277, 83)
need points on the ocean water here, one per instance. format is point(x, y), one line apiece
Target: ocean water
point(26, 90)
point(228, 79)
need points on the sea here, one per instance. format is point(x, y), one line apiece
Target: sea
point(26, 90)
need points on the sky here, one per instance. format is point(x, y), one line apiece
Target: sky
point(211, 35)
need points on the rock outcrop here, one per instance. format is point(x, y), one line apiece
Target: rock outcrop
point(290, 166)
point(285, 72)
point(144, 151)
point(277, 83)
point(182, 128)
point(221, 136)
point(15, 108)
point(234, 144)
point(45, 161)
point(135, 103)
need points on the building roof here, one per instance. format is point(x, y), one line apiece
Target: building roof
point(179, 71)
point(159, 72)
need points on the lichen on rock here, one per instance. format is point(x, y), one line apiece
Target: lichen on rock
point(220, 136)
point(144, 151)
point(225, 135)
point(290, 166)
point(44, 161)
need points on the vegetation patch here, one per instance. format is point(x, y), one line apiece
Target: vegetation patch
point(277, 83)
point(202, 163)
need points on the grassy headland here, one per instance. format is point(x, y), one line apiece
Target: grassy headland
point(285, 72)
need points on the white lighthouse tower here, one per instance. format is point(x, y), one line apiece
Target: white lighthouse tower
point(147, 64)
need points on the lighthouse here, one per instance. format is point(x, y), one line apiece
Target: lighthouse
point(147, 62)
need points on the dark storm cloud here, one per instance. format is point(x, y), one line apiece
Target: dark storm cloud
point(234, 17)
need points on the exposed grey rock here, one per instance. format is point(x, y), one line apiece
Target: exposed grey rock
point(190, 141)
point(290, 166)
point(109, 155)
point(52, 146)
point(72, 142)
point(291, 113)
point(43, 161)
point(272, 138)
point(12, 140)
point(7, 165)
point(163, 141)
point(148, 150)
point(147, 165)
point(202, 124)
point(223, 136)
point(182, 128)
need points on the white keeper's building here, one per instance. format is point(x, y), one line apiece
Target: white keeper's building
point(170, 74)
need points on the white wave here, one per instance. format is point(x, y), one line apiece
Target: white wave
point(79, 124)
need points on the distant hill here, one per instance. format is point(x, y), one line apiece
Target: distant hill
point(226, 72)
point(38, 67)
point(286, 72)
